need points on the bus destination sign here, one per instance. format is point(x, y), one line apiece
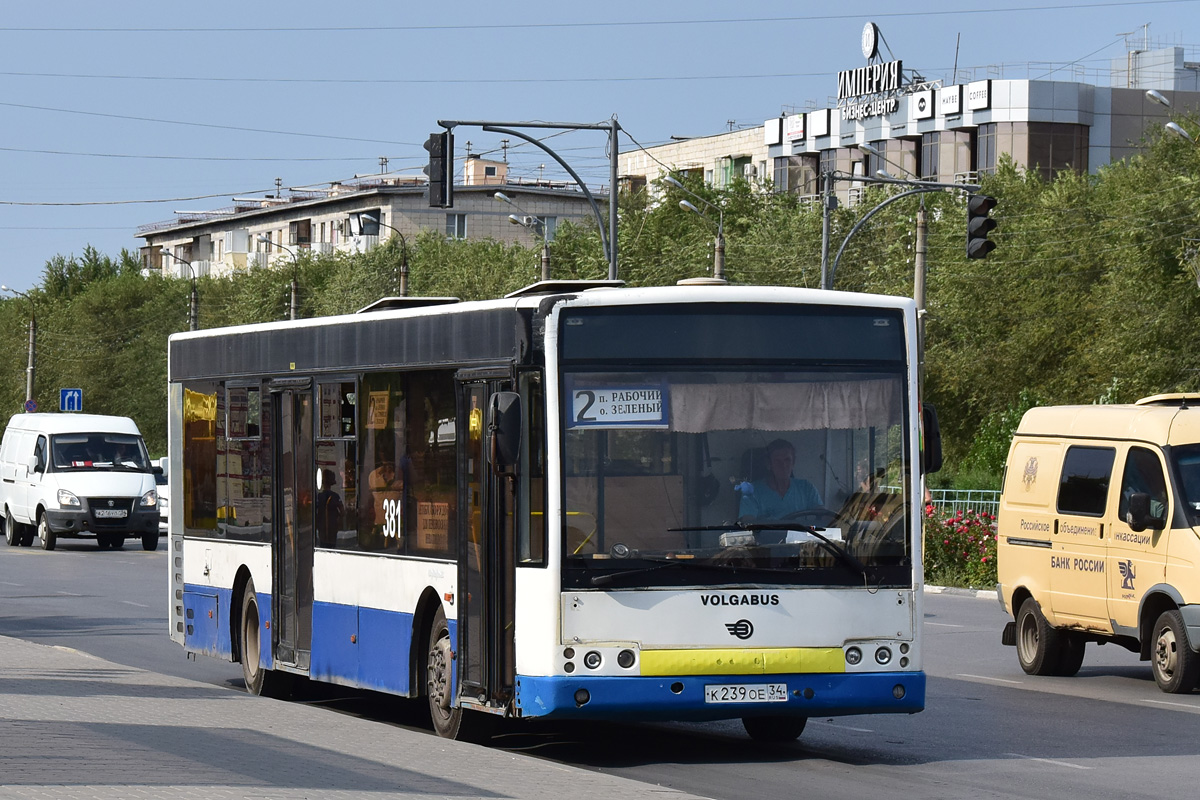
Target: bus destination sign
point(618, 407)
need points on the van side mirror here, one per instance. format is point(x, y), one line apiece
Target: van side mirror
point(1139, 515)
point(32, 465)
point(504, 426)
point(931, 441)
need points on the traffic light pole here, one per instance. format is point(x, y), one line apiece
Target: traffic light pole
point(609, 239)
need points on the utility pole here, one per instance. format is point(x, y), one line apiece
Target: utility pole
point(919, 289)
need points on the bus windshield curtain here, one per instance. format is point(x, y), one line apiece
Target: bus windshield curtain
point(698, 408)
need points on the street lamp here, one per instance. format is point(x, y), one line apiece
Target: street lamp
point(295, 307)
point(1173, 127)
point(719, 247)
point(369, 217)
point(30, 370)
point(194, 303)
point(531, 223)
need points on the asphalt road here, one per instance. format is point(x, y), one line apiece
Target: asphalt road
point(988, 730)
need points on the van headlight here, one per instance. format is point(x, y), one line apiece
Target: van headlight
point(67, 499)
point(149, 499)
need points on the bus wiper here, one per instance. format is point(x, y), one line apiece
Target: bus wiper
point(839, 552)
point(607, 578)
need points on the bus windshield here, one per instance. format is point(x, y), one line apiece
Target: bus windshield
point(735, 477)
point(99, 451)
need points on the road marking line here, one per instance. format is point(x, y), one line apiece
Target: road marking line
point(131, 603)
point(1049, 761)
point(945, 625)
point(1189, 706)
point(69, 594)
point(988, 678)
point(842, 727)
point(10, 583)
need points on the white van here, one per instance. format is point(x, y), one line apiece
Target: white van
point(76, 475)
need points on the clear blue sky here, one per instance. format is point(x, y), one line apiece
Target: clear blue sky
point(106, 105)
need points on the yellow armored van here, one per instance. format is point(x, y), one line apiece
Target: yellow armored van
point(1098, 539)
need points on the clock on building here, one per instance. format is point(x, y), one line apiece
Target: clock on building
point(870, 40)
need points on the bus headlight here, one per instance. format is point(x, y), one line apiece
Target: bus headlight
point(883, 655)
point(592, 660)
point(853, 656)
point(67, 499)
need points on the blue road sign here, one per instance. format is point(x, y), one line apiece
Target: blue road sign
point(70, 399)
point(30, 406)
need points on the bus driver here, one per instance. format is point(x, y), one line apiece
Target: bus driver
point(777, 495)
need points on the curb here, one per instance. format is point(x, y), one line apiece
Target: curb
point(983, 594)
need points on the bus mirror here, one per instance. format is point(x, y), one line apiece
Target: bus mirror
point(505, 429)
point(931, 450)
point(1138, 515)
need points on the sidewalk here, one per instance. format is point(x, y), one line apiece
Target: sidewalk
point(74, 726)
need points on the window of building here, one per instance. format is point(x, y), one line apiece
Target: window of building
point(1056, 146)
point(1086, 473)
point(549, 227)
point(944, 155)
point(456, 226)
point(798, 174)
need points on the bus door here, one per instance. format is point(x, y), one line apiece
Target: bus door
point(292, 597)
point(485, 550)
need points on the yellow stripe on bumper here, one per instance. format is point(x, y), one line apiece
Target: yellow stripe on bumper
point(743, 662)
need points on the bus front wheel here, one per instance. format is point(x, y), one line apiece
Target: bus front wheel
point(774, 729)
point(450, 721)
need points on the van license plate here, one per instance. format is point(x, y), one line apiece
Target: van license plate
point(111, 513)
point(746, 693)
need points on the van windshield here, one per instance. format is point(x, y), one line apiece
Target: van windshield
point(98, 451)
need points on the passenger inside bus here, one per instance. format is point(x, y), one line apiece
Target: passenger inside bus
point(777, 495)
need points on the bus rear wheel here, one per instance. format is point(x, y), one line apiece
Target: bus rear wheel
point(774, 729)
point(450, 721)
point(259, 679)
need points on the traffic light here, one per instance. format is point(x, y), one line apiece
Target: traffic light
point(441, 169)
point(979, 225)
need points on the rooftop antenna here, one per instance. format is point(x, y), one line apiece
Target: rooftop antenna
point(504, 147)
point(383, 163)
point(279, 187)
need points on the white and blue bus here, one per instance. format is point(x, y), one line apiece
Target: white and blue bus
point(568, 503)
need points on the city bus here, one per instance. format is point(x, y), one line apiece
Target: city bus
point(536, 507)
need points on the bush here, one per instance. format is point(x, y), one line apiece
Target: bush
point(960, 548)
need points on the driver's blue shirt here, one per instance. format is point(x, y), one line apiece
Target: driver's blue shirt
point(766, 503)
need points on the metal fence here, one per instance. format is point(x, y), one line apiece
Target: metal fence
point(950, 501)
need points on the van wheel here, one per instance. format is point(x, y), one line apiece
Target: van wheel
point(12, 533)
point(116, 541)
point(1038, 645)
point(45, 534)
point(1176, 667)
point(150, 541)
point(774, 729)
point(28, 535)
point(1070, 657)
point(259, 679)
point(449, 721)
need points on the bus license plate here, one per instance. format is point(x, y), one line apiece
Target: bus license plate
point(746, 693)
point(111, 513)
